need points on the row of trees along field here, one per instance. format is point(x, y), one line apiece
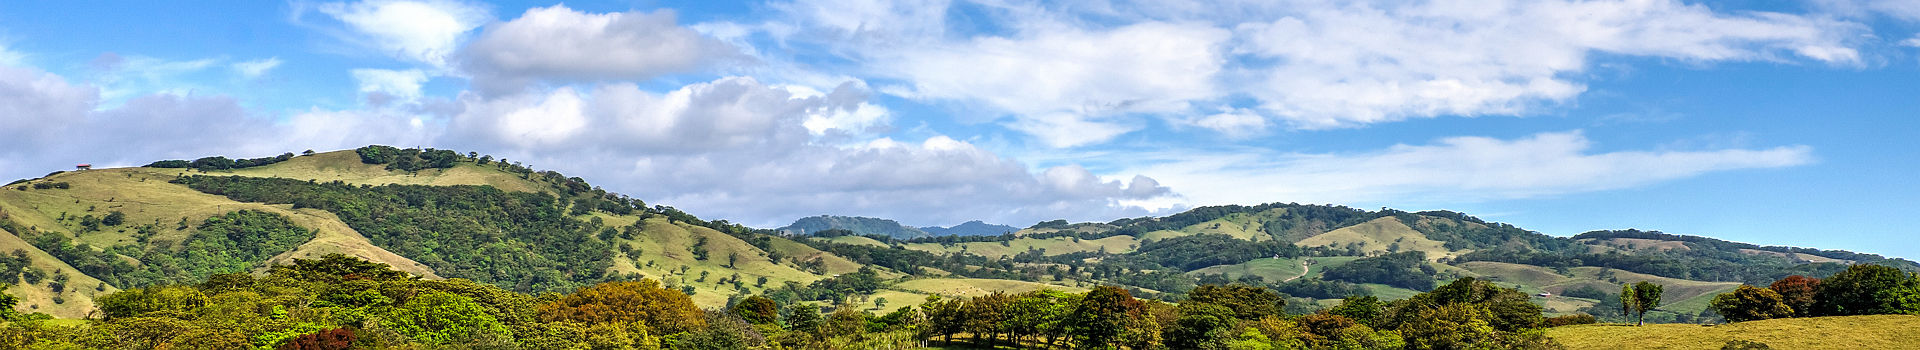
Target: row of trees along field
point(339, 302)
point(1862, 289)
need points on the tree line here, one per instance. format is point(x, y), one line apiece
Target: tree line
point(339, 302)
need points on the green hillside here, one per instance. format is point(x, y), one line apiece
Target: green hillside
point(441, 214)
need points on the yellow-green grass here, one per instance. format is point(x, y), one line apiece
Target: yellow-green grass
point(1052, 246)
point(345, 166)
point(1378, 237)
point(855, 240)
point(895, 300)
point(1845, 332)
point(1319, 265)
point(1561, 305)
point(1247, 226)
point(1639, 244)
point(145, 197)
point(1386, 292)
point(668, 246)
point(1270, 269)
point(1679, 295)
point(1797, 257)
point(973, 287)
point(38, 297)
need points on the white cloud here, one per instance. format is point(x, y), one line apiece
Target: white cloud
point(256, 68)
point(1914, 42)
point(1057, 82)
point(1900, 9)
point(1452, 170)
point(558, 43)
point(1234, 123)
point(402, 84)
point(424, 31)
point(1058, 67)
point(740, 149)
point(1354, 64)
point(53, 124)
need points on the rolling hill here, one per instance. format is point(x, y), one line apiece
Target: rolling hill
point(440, 214)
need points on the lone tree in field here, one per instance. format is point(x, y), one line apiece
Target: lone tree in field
point(1627, 301)
point(1638, 298)
point(1646, 297)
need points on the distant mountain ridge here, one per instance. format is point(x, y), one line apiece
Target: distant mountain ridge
point(970, 228)
point(859, 225)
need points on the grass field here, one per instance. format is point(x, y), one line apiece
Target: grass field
point(1273, 270)
point(1680, 296)
point(1379, 237)
point(973, 287)
point(1848, 332)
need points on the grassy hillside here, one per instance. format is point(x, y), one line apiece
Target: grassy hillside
point(1680, 296)
point(1380, 236)
point(345, 166)
point(157, 212)
point(1847, 332)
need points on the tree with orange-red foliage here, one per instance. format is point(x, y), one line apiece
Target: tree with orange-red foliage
point(664, 311)
point(332, 339)
point(1797, 292)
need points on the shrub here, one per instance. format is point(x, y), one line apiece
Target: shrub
point(1750, 303)
point(1569, 320)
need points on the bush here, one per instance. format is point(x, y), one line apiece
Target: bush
point(1569, 320)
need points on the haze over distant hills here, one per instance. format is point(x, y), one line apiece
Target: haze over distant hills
point(970, 228)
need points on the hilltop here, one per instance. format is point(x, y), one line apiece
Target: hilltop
point(443, 214)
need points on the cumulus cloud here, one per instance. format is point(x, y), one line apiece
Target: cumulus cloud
point(1058, 69)
point(558, 43)
point(400, 84)
point(255, 68)
point(1450, 170)
point(53, 123)
point(423, 31)
point(1363, 63)
point(739, 148)
point(1060, 83)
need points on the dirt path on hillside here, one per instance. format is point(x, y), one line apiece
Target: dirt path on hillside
point(1303, 272)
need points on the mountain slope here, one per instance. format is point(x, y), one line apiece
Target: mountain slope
point(856, 225)
point(970, 228)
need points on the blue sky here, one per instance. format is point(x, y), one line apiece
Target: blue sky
point(1773, 122)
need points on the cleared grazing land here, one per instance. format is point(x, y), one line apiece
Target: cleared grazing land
point(1378, 236)
point(1846, 332)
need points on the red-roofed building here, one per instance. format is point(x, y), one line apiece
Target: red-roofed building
point(83, 166)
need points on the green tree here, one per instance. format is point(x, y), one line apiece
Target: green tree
point(1246, 302)
point(1749, 303)
point(1101, 316)
point(804, 318)
point(1646, 297)
point(1363, 309)
point(1201, 325)
point(1868, 289)
point(1628, 300)
point(444, 318)
point(757, 310)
